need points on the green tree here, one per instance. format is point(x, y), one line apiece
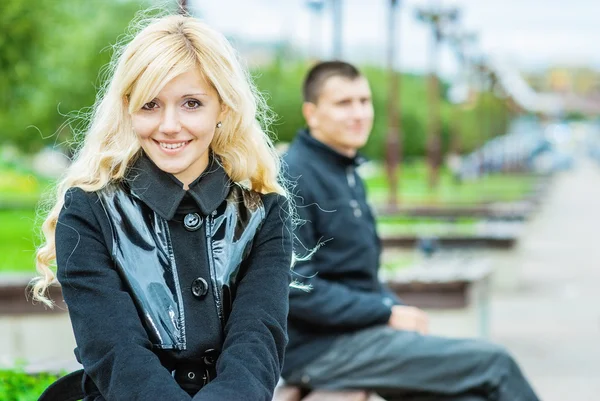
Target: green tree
point(50, 61)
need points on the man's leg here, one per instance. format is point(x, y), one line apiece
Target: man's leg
point(434, 397)
point(400, 362)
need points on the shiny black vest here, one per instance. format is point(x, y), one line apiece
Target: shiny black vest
point(143, 255)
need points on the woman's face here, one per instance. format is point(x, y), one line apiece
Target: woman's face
point(176, 128)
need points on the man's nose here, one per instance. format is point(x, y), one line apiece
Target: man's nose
point(360, 110)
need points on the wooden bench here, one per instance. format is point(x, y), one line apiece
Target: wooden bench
point(452, 289)
point(518, 210)
point(481, 234)
point(22, 321)
point(291, 393)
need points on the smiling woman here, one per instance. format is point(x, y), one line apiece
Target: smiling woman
point(169, 226)
point(176, 128)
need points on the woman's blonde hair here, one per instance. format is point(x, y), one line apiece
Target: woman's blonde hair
point(164, 48)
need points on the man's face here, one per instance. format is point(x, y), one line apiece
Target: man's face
point(342, 118)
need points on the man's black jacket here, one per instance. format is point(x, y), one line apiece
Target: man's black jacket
point(346, 294)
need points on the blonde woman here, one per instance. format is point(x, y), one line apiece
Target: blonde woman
point(171, 232)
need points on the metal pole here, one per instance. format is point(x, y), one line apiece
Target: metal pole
point(434, 140)
point(481, 68)
point(438, 19)
point(316, 6)
point(337, 29)
point(393, 151)
point(459, 41)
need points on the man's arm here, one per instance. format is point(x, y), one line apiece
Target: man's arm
point(328, 303)
point(390, 296)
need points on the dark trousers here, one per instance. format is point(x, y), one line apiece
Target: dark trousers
point(409, 366)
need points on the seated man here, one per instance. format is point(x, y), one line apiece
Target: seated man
point(349, 331)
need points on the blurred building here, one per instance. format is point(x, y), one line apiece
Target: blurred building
point(578, 87)
point(582, 81)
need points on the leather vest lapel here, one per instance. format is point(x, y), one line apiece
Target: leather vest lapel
point(143, 254)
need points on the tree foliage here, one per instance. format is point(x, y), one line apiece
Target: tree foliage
point(281, 82)
point(52, 55)
point(50, 58)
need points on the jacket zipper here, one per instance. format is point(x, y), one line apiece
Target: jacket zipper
point(211, 264)
point(351, 179)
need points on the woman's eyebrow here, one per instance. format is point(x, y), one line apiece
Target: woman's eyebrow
point(194, 94)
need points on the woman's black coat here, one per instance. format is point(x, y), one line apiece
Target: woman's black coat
point(243, 319)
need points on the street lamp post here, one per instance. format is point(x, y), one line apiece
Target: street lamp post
point(482, 74)
point(439, 20)
point(337, 29)
point(459, 41)
point(393, 150)
point(316, 7)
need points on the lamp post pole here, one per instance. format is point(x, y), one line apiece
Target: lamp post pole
point(459, 41)
point(337, 29)
point(316, 7)
point(439, 20)
point(393, 149)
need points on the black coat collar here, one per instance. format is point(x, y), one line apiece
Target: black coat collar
point(328, 153)
point(163, 193)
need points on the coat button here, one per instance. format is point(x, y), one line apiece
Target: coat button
point(199, 287)
point(210, 357)
point(192, 221)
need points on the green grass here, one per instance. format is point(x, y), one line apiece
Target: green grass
point(19, 188)
point(414, 190)
point(18, 229)
point(20, 192)
point(406, 225)
point(16, 385)
point(17, 240)
point(397, 260)
point(431, 228)
point(399, 219)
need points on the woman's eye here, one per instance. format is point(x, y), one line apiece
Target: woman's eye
point(192, 104)
point(149, 106)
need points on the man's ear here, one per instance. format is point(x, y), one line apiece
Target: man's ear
point(308, 111)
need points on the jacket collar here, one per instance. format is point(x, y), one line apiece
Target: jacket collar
point(328, 153)
point(163, 193)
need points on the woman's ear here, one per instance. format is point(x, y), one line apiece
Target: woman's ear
point(223, 113)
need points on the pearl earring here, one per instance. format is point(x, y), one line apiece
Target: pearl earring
point(219, 124)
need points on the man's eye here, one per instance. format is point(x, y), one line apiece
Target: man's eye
point(192, 104)
point(150, 106)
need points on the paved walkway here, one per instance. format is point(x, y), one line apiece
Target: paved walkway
point(552, 323)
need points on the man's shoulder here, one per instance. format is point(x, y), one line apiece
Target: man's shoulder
point(301, 155)
point(298, 161)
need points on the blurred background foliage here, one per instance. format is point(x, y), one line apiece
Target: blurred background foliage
point(50, 63)
point(51, 66)
point(281, 82)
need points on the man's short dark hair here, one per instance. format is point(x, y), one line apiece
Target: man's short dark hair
point(320, 73)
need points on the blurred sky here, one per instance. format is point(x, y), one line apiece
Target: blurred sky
point(528, 34)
